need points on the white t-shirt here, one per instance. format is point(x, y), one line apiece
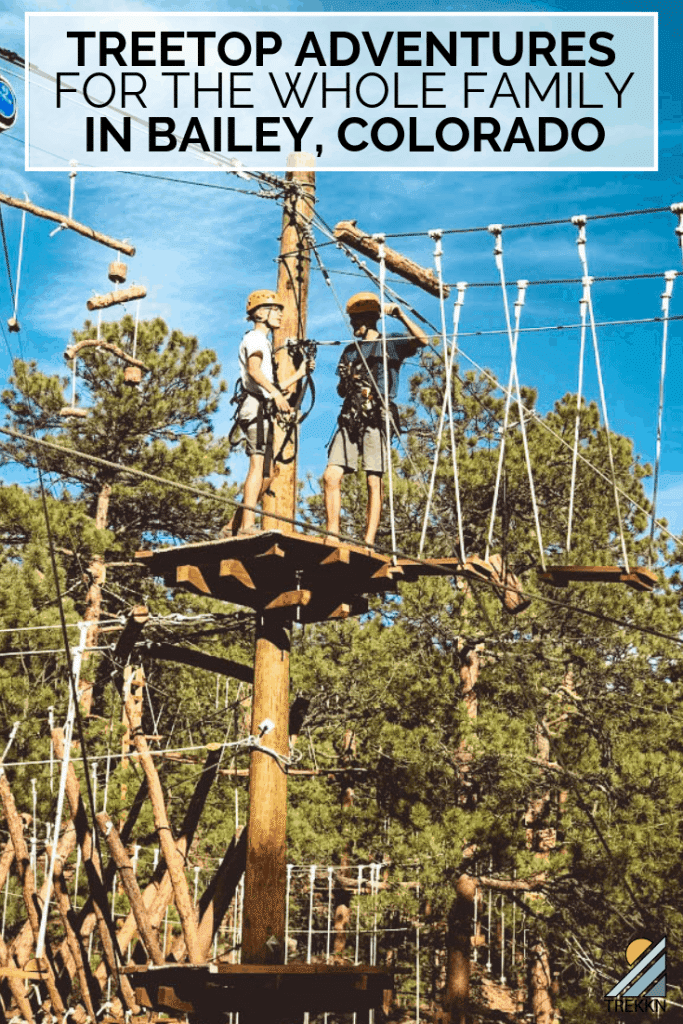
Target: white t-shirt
point(253, 342)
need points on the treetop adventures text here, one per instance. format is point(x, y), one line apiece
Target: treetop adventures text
point(399, 92)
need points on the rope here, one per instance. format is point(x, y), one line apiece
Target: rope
point(68, 734)
point(497, 231)
point(669, 279)
point(448, 364)
point(521, 294)
point(580, 222)
point(584, 303)
point(534, 223)
point(72, 192)
point(447, 401)
point(7, 263)
point(385, 371)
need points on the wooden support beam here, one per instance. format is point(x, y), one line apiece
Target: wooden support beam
point(217, 897)
point(347, 232)
point(159, 893)
point(68, 222)
point(337, 556)
point(93, 870)
point(199, 659)
point(174, 862)
point(15, 983)
point(130, 886)
point(192, 574)
point(272, 554)
point(16, 831)
point(80, 959)
point(234, 569)
point(289, 599)
point(115, 298)
point(562, 575)
point(358, 606)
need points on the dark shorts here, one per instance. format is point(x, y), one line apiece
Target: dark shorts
point(344, 452)
point(247, 419)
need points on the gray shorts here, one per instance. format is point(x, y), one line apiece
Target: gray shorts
point(344, 452)
point(247, 420)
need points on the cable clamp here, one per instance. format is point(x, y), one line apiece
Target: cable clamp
point(522, 286)
point(497, 231)
point(461, 286)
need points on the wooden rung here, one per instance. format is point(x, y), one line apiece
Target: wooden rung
point(192, 574)
point(289, 599)
point(135, 291)
point(479, 567)
point(337, 556)
point(233, 568)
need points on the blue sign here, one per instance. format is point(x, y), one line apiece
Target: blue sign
point(8, 105)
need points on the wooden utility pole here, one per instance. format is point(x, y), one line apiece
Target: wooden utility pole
point(265, 877)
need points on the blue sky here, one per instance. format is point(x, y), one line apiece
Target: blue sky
point(200, 251)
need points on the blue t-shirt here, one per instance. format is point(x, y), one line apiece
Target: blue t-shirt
point(399, 348)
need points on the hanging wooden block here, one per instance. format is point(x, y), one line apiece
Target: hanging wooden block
point(135, 291)
point(132, 375)
point(13, 325)
point(73, 410)
point(118, 271)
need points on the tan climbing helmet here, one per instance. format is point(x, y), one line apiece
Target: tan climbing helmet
point(263, 297)
point(363, 302)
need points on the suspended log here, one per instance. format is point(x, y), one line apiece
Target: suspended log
point(130, 886)
point(117, 272)
point(6, 861)
point(199, 659)
point(134, 291)
point(16, 831)
point(73, 410)
point(68, 222)
point(174, 861)
point(71, 351)
point(347, 232)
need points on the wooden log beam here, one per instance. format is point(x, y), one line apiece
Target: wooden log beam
point(199, 659)
point(134, 291)
point(347, 232)
point(192, 574)
point(16, 831)
point(130, 886)
point(159, 893)
point(66, 912)
point(68, 222)
point(234, 569)
point(14, 978)
point(215, 900)
point(71, 351)
point(174, 861)
point(93, 870)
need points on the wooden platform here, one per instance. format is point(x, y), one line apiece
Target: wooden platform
point(265, 993)
point(562, 575)
point(297, 575)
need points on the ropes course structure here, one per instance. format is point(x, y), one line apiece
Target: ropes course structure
point(252, 937)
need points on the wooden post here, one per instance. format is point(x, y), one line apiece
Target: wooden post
point(292, 286)
point(263, 937)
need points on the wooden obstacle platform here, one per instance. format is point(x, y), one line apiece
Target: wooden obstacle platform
point(288, 572)
point(637, 578)
point(263, 992)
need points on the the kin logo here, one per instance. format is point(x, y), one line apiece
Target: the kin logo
point(643, 988)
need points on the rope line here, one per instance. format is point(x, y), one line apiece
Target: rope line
point(497, 232)
point(387, 415)
point(521, 293)
point(583, 309)
point(669, 279)
point(580, 222)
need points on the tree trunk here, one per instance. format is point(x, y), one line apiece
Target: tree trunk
point(539, 976)
point(96, 576)
point(459, 943)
